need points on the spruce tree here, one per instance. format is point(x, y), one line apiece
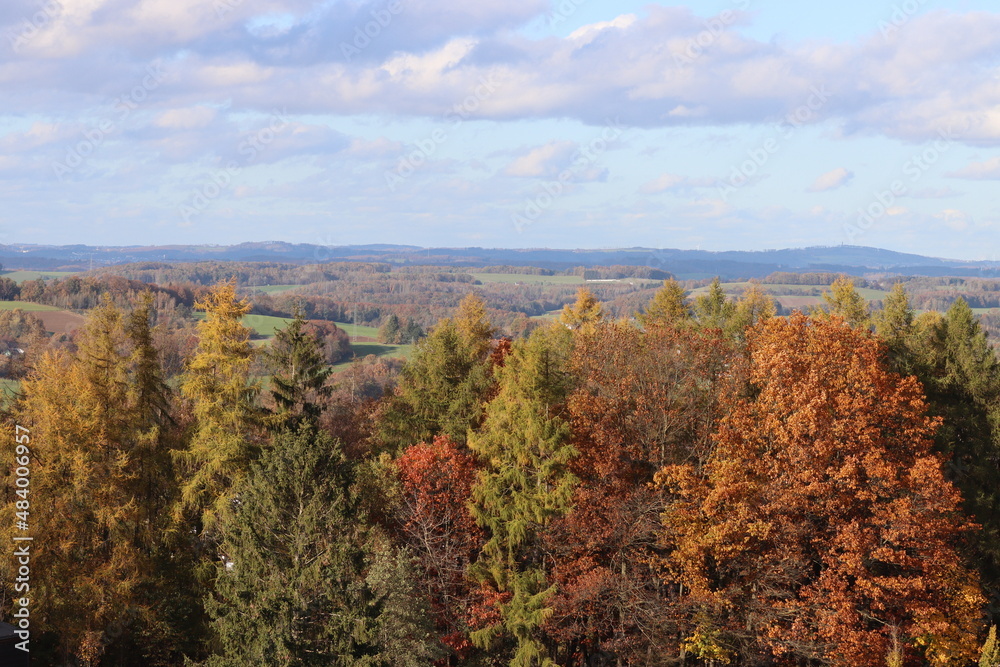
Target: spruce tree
point(389, 332)
point(291, 587)
point(442, 388)
point(894, 325)
point(299, 381)
point(961, 374)
point(524, 485)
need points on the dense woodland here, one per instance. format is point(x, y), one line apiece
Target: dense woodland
point(700, 481)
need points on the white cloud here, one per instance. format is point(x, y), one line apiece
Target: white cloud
point(987, 170)
point(831, 180)
point(672, 182)
point(544, 161)
point(185, 119)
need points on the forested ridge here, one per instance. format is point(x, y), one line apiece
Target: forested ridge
point(695, 480)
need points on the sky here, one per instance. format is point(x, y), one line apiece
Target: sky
point(719, 125)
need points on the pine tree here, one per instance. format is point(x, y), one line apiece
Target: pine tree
point(668, 307)
point(713, 310)
point(291, 589)
point(586, 313)
point(217, 383)
point(299, 381)
point(412, 332)
point(524, 486)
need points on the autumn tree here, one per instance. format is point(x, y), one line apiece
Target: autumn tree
point(223, 398)
point(100, 433)
point(669, 306)
point(436, 480)
point(585, 313)
point(823, 526)
point(752, 307)
point(844, 300)
point(524, 484)
point(643, 399)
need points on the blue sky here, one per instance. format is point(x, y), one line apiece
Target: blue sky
point(729, 124)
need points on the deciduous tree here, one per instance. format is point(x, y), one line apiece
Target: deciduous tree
point(824, 525)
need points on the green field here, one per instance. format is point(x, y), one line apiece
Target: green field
point(358, 330)
point(382, 350)
point(20, 276)
point(8, 388)
point(25, 305)
point(526, 278)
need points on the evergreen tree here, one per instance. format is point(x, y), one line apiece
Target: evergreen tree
point(412, 332)
point(301, 372)
point(894, 325)
point(389, 332)
point(668, 307)
point(961, 374)
point(713, 310)
point(524, 485)
point(442, 388)
point(291, 589)
point(217, 383)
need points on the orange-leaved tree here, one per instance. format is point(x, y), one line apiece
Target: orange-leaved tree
point(643, 399)
point(436, 484)
point(823, 527)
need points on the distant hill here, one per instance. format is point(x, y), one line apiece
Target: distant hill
point(730, 265)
